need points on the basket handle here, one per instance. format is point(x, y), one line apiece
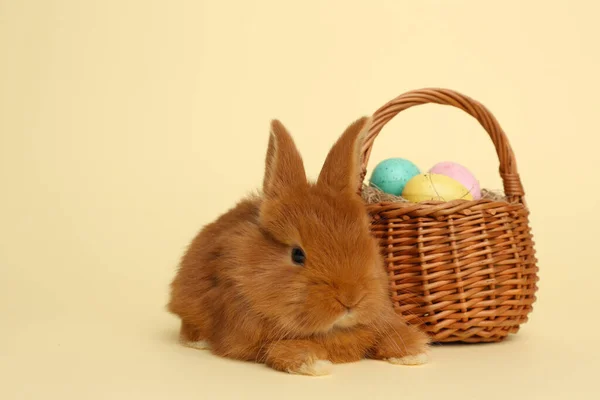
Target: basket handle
point(513, 188)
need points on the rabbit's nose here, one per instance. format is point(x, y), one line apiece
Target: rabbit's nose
point(343, 304)
point(350, 303)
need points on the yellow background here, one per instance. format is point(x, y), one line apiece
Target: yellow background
point(126, 125)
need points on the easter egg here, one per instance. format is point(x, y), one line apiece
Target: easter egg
point(459, 173)
point(428, 186)
point(391, 175)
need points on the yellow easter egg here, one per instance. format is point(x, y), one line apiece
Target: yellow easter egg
point(437, 187)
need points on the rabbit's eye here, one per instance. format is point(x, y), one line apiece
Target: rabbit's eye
point(298, 256)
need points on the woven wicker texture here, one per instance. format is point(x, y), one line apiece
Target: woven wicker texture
point(464, 271)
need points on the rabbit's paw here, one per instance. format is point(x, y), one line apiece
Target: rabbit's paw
point(313, 368)
point(300, 357)
point(200, 345)
point(418, 359)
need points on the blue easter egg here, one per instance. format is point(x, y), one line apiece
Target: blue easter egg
point(391, 175)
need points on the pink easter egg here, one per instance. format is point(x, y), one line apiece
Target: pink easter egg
point(459, 173)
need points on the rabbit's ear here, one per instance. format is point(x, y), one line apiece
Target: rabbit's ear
point(284, 168)
point(341, 169)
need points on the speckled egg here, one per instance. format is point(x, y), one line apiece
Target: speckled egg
point(391, 175)
point(459, 173)
point(426, 187)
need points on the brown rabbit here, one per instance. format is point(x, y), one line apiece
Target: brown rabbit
point(293, 278)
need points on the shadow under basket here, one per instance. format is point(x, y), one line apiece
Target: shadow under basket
point(462, 270)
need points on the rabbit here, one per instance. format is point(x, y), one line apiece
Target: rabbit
point(291, 277)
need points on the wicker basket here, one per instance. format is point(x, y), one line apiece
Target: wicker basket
point(464, 271)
